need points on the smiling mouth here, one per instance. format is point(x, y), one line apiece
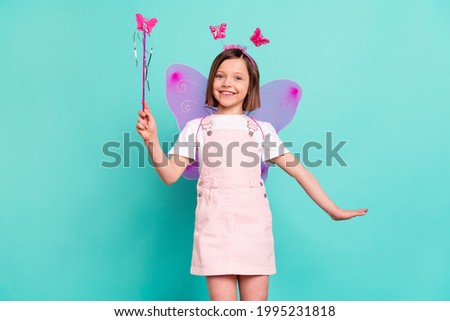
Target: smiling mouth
point(227, 93)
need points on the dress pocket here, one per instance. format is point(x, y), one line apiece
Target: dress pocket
point(260, 199)
point(203, 200)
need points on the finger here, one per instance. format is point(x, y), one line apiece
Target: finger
point(359, 213)
point(150, 116)
point(145, 123)
point(146, 106)
point(143, 119)
point(142, 114)
point(140, 126)
point(143, 126)
point(148, 111)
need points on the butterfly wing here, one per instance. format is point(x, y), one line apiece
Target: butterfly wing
point(256, 35)
point(185, 95)
point(186, 91)
point(264, 171)
point(140, 21)
point(150, 24)
point(262, 41)
point(214, 31)
point(191, 172)
point(222, 29)
point(279, 101)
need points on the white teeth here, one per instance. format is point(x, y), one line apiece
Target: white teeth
point(227, 93)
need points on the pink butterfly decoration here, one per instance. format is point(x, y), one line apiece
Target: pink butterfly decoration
point(145, 25)
point(218, 32)
point(258, 38)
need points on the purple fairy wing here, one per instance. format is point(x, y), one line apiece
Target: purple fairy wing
point(279, 101)
point(191, 172)
point(264, 171)
point(185, 95)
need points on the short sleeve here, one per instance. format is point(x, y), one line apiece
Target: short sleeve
point(272, 146)
point(185, 145)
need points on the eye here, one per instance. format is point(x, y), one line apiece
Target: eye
point(238, 78)
point(219, 76)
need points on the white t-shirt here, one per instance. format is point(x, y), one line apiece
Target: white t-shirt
point(270, 144)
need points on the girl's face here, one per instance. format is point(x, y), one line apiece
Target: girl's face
point(230, 86)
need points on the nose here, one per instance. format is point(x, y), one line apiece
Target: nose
point(226, 82)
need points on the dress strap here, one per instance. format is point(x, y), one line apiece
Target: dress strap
point(206, 123)
point(253, 126)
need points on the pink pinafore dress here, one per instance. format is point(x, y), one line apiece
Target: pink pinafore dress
point(233, 221)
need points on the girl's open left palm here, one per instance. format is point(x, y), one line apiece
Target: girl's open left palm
point(342, 214)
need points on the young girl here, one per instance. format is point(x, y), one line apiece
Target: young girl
point(233, 241)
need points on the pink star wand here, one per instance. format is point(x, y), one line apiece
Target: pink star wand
point(146, 26)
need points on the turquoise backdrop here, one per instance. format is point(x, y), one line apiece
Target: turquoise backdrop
point(375, 74)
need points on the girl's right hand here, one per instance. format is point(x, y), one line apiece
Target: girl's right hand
point(146, 125)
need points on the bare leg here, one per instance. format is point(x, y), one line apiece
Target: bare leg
point(222, 287)
point(253, 287)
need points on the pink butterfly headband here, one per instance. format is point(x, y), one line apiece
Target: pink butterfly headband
point(218, 32)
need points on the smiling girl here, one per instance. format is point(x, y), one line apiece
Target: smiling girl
point(233, 240)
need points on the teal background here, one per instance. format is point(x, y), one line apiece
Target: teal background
point(374, 73)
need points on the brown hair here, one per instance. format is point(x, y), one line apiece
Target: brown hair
point(252, 101)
